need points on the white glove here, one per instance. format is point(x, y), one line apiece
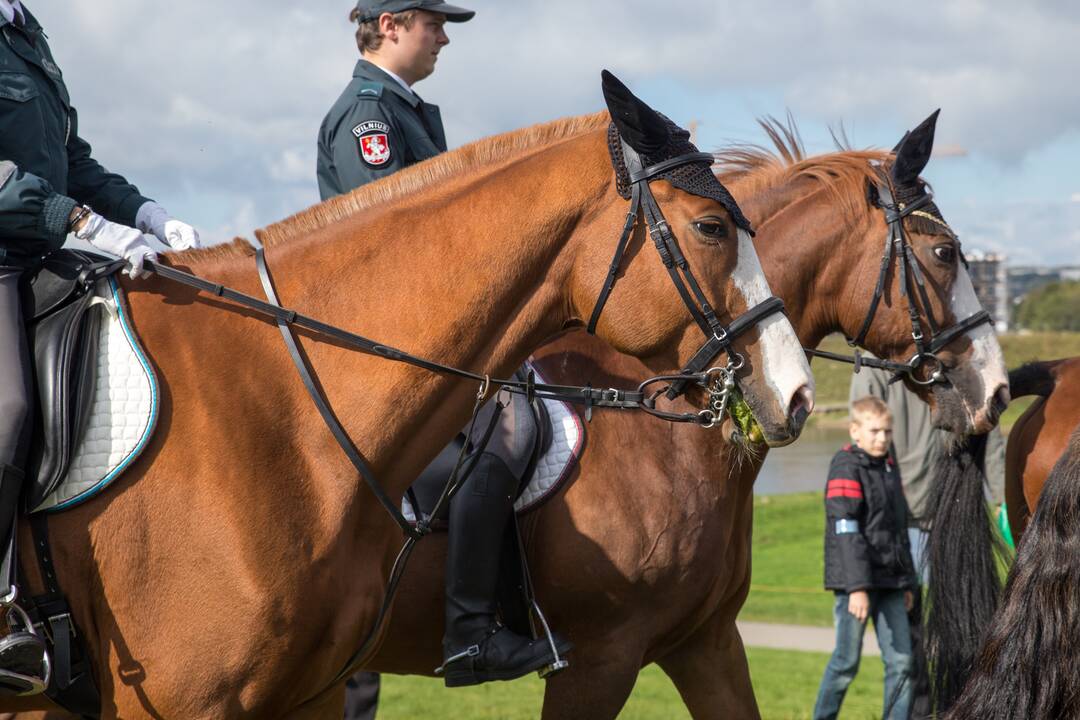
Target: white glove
point(155, 220)
point(116, 239)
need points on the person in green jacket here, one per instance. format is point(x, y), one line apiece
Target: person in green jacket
point(379, 124)
point(50, 186)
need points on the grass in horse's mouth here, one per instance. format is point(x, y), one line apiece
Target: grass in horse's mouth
point(744, 418)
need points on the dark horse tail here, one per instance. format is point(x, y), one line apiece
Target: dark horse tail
point(1036, 378)
point(1027, 668)
point(964, 554)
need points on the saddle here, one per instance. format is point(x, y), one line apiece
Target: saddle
point(97, 394)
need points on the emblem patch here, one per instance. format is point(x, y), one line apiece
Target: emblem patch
point(374, 139)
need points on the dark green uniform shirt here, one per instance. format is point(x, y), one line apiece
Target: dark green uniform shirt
point(374, 129)
point(45, 167)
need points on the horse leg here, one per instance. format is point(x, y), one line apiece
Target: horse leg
point(711, 674)
point(595, 687)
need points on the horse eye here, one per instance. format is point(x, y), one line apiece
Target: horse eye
point(713, 229)
point(945, 253)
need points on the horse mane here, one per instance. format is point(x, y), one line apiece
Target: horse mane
point(430, 173)
point(757, 169)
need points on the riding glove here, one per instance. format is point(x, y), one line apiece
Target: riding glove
point(155, 220)
point(116, 239)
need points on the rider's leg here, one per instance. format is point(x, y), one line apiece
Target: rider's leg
point(476, 647)
point(20, 652)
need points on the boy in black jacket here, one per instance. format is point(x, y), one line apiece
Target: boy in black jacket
point(867, 561)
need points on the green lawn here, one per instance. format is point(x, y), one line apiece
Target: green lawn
point(785, 684)
point(789, 561)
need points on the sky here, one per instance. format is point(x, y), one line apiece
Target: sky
point(213, 108)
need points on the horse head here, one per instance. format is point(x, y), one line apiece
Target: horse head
point(928, 297)
point(709, 296)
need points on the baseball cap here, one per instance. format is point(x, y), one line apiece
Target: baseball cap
point(372, 9)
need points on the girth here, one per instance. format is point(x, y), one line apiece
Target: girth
point(718, 338)
point(911, 282)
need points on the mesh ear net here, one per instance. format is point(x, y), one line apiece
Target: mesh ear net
point(695, 178)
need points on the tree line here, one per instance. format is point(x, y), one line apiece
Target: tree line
point(1052, 307)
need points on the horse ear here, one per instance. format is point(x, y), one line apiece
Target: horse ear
point(639, 125)
point(914, 151)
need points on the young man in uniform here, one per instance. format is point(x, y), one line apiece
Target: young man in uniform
point(378, 126)
point(45, 172)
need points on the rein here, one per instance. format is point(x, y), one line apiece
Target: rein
point(926, 348)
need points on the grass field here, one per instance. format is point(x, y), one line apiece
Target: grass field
point(785, 684)
point(788, 561)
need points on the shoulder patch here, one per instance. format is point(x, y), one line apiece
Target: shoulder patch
point(373, 137)
point(370, 90)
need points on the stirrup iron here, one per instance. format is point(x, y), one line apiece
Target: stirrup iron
point(558, 664)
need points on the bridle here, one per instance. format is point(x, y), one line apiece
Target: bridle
point(718, 337)
point(911, 281)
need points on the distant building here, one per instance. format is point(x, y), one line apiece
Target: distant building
point(990, 277)
point(1025, 279)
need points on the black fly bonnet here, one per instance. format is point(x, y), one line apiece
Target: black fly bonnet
point(647, 146)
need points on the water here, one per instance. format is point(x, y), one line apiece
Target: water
point(802, 466)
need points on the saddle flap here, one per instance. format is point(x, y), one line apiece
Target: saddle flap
point(64, 343)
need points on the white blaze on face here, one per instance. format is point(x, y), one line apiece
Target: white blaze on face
point(785, 367)
point(987, 361)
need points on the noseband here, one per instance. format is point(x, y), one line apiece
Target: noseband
point(718, 337)
point(926, 348)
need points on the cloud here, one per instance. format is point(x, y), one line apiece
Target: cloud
point(1075, 197)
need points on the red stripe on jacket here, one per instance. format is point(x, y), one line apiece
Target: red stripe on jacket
point(857, 494)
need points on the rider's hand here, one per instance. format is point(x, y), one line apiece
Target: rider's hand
point(909, 600)
point(155, 220)
point(116, 239)
point(859, 605)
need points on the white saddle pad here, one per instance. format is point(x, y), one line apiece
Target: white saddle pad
point(123, 411)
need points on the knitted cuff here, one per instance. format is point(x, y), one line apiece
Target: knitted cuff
point(53, 221)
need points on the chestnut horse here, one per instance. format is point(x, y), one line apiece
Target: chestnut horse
point(644, 555)
point(1041, 434)
point(1027, 664)
point(238, 564)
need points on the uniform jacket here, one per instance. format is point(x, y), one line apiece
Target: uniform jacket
point(866, 519)
point(375, 128)
point(45, 167)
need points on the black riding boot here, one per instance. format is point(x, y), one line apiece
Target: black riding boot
point(22, 652)
point(476, 648)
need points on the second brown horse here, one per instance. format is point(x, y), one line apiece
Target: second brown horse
point(645, 555)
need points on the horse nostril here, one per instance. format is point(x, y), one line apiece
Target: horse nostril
point(1000, 401)
point(802, 404)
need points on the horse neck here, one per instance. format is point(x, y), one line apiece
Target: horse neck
point(804, 241)
point(473, 274)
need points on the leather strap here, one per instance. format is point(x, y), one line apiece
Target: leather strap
point(325, 410)
point(72, 686)
point(908, 273)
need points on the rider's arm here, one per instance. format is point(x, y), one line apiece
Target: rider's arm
point(109, 194)
point(31, 211)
